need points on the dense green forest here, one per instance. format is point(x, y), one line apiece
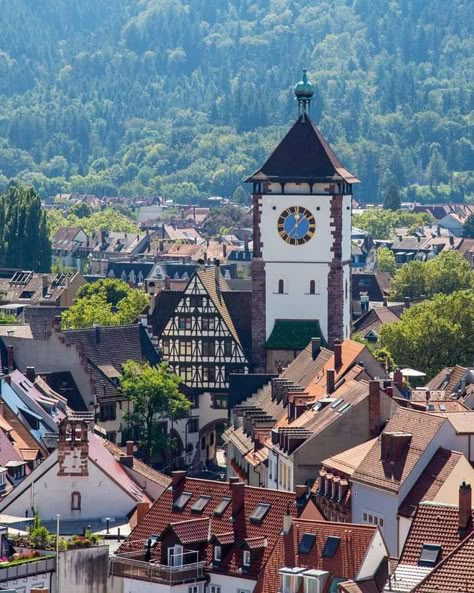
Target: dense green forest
point(185, 97)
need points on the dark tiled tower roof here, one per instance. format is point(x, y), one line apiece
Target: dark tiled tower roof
point(303, 155)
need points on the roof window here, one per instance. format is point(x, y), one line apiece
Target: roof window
point(306, 543)
point(181, 501)
point(331, 546)
point(337, 402)
point(429, 555)
point(221, 507)
point(200, 504)
point(259, 513)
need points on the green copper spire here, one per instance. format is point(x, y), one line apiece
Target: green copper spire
point(304, 91)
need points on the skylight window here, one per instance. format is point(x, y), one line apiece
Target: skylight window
point(306, 543)
point(344, 408)
point(429, 555)
point(331, 546)
point(259, 513)
point(337, 402)
point(200, 504)
point(181, 501)
point(221, 507)
point(442, 407)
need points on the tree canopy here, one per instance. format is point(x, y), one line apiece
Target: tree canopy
point(386, 260)
point(433, 334)
point(155, 397)
point(24, 239)
point(185, 98)
point(443, 274)
point(106, 302)
point(108, 219)
point(392, 200)
point(381, 224)
point(468, 229)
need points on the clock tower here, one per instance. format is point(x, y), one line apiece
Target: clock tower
point(301, 274)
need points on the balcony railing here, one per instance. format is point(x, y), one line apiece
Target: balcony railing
point(156, 573)
point(27, 569)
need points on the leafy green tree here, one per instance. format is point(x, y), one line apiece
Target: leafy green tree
point(155, 397)
point(468, 229)
point(392, 200)
point(386, 260)
point(24, 239)
point(444, 274)
point(81, 210)
point(381, 224)
point(109, 303)
point(434, 333)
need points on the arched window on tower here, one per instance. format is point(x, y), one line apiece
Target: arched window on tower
point(281, 286)
point(76, 501)
point(312, 287)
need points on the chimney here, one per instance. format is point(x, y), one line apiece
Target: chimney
point(315, 347)
point(130, 447)
point(177, 477)
point(30, 374)
point(330, 381)
point(287, 523)
point(374, 408)
point(44, 284)
point(10, 363)
point(389, 390)
point(167, 283)
point(337, 354)
point(142, 510)
point(301, 491)
point(224, 250)
point(97, 333)
point(217, 271)
point(39, 590)
point(385, 301)
point(398, 379)
point(406, 300)
point(126, 460)
point(234, 479)
point(238, 497)
point(465, 506)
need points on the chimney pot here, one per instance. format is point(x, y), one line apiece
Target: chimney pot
point(130, 447)
point(337, 354)
point(315, 347)
point(30, 374)
point(142, 510)
point(287, 523)
point(238, 497)
point(177, 477)
point(330, 381)
point(10, 358)
point(465, 506)
point(234, 479)
point(398, 379)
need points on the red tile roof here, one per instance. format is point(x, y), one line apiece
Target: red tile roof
point(436, 524)
point(429, 483)
point(391, 475)
point(346, 562)
point(192, 531)
point(455, 573)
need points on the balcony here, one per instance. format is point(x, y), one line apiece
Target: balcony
point(152, 572)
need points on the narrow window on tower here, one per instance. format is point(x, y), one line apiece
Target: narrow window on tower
point(312, 287)
point(281, 287)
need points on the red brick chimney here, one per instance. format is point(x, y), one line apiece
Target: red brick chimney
point(130, 447)
point(465, 506)
point(337, 354)
point(142, 510)
point(330, 380)
point(398, 378)
point(374, 408)
point(238, 497)
point(177, 477)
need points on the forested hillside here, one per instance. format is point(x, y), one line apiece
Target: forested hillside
point(186, 97)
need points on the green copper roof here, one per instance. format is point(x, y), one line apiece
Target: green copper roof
point(304, 89)
point(293, 334)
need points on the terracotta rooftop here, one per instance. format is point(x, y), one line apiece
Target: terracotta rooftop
point(354, 541)
point(391, 475)
point(463, 422)
point(348, 461)
point(435, 475)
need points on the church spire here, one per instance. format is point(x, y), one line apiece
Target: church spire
point(304, 93)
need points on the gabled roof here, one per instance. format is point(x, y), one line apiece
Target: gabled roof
point(303, 155)
point(455, 573)
point(381, 473)
point(346, 562)
point(348, 461)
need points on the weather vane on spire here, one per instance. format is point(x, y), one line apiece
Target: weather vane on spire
point(304, 92)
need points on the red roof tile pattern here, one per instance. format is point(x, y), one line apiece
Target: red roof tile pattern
point(455, 573)
point(192, 531)
point(429, 483)
point(346, 562)
point(391, 475)
point(433, 523)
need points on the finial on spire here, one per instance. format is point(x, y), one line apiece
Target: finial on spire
point(303, 93)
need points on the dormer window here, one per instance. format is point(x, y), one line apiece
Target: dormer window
point(217, 553)
point(246, 559)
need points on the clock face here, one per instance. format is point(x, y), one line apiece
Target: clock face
point(296, 225)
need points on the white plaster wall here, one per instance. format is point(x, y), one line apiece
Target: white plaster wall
point(296, 302)
point(381, 502)
point(373, 557)
point(273, 482)
point(24, 585)
point(404, 525)
point(119, 585)
point(52, 495)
